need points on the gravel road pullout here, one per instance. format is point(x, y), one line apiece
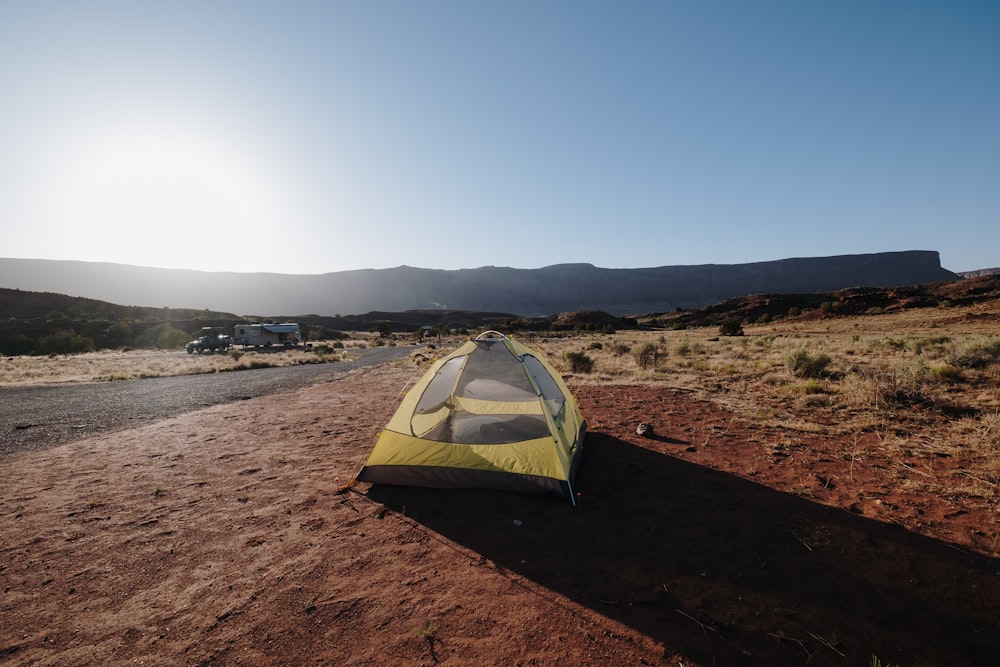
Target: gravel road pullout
point(36, 417)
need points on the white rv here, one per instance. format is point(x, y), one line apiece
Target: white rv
point(266, 335)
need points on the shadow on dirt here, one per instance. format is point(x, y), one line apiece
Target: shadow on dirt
point(724, 571)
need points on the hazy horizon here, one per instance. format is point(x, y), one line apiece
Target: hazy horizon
point(485, 266)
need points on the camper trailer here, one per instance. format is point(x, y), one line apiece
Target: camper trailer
point(266, 335)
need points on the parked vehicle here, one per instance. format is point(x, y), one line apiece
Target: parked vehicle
point(266, 335)
point(219, 342)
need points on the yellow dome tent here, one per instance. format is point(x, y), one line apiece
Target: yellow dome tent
point(492, 414)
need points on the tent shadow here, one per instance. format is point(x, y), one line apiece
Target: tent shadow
point(725, 571)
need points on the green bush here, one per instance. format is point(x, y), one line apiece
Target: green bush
point(120, 332)
point(164, 337)
point(803, 363)
point(64, 341)
point(170, 338)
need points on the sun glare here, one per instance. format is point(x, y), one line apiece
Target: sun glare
point(158, 195)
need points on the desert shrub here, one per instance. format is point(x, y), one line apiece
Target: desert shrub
point(236, 355)
point(683, 347)
point(803, 363)
point(731, 328)
point(763, 319)
point(897, 344)
point(322, 349)
point(974, 352)
point(812, 386)
point(947, 373)
point(921, 345)
point(596, 345)
point(764, 341)
point(883, 388)
point(621, 349)
point(578, 361)
point(912, 374)
point(647, 355)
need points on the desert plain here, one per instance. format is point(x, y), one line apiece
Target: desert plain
point(819, 491)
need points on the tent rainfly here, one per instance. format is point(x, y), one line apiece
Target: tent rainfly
point(492, 414)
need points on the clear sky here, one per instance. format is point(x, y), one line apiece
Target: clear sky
point(308, 137)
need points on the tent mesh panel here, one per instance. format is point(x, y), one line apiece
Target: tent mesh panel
point(489, 373)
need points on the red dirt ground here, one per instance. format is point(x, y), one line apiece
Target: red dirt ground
point(218, 538)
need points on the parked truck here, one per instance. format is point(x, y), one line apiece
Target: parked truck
point(266, 335)
point(211, 340)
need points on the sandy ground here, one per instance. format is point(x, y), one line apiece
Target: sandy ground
point(219, 538)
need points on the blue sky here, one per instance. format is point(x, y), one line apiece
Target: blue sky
point(308, 137)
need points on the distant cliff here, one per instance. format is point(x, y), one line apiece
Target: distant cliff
point(979, 273)
point(530, 292)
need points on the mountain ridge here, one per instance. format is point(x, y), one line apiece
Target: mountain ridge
point(528, 292)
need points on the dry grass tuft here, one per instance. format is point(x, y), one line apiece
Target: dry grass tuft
point(113, 365)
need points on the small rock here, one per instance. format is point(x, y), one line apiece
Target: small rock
point(644, 429)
